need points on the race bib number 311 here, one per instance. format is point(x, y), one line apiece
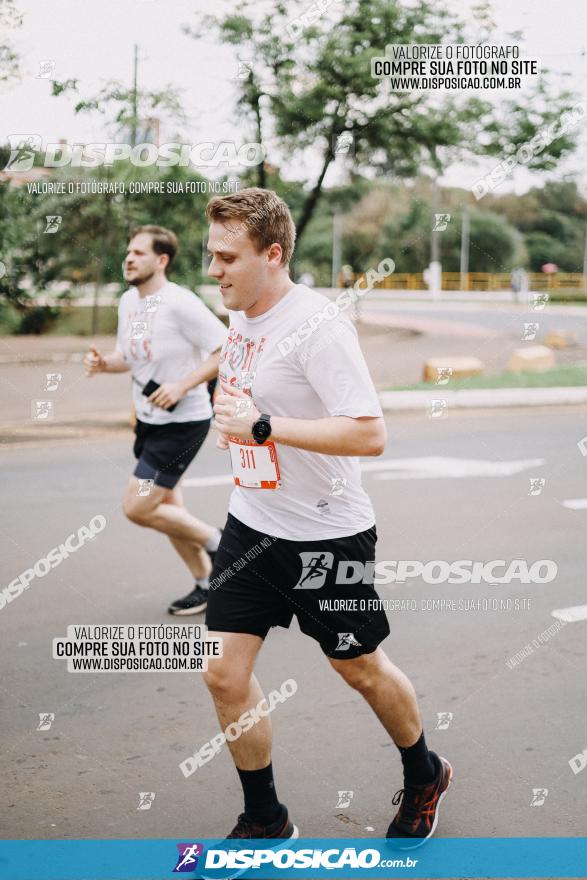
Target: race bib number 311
point(254, 466)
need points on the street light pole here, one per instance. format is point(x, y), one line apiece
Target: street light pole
point(435, 268)
point(336, 247)
point(134, 122)
point(464, 285)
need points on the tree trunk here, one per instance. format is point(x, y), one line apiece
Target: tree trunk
point(313, 197)
point(94, 329)
point(261, 171)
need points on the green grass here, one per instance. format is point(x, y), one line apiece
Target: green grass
point(74, 321)
point(568, 296)
point(77, 321)
point(563, 376)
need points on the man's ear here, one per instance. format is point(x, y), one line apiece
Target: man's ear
point(274, 254)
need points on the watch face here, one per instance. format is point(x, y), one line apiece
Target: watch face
point(261, 430)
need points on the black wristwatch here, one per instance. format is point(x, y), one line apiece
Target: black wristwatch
point(261, 429)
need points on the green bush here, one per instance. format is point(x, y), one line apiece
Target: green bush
point(37, 320)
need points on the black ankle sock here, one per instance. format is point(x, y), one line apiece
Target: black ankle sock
point(419, 767)
point(261, 804)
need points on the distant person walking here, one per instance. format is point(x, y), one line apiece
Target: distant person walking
point(519, 283)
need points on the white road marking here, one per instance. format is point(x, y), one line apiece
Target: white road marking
point(216, 480)
point(438, 467)
point(572, 614)
point(424, 468)
point(576, 503)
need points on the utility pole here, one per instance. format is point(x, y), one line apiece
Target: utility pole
point(205, 262)
point(336, 247)
point(435, 268)
point(134, 123)
point(464, 285)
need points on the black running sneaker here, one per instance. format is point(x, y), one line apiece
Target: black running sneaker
point(194, 603)
point(280, 831)
point(417, 816)
point(282, 828)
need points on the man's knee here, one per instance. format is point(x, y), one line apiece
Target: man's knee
point(136, 512)
point(361, 672)
point(224, 682)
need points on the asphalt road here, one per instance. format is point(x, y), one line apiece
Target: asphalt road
point(501, 318)
point(397, 339)
point(115, 735)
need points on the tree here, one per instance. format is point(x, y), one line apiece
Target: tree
point(90, 243)
point(18, 245)
point(552, 222)
point(308, 84)
point(9, 18)
point(126, 107)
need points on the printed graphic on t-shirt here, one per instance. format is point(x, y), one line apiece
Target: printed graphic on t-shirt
point(139, 332)
point(164, 337)
point(239, 359)
point(318, 495)
point(254, 466)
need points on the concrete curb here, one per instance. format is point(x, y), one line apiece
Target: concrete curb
point(486, 398)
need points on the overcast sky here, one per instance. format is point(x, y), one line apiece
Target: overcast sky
point(94, 42)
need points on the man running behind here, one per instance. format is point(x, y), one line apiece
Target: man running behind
point(165, 336)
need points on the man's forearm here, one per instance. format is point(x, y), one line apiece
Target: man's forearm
point(206, 371)
point(337, 435)
point(115, 363)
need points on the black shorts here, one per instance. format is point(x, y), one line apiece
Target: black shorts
point(260, 581)
point(165, 451)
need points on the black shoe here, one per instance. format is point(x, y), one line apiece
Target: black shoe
point(417, 816)
point(194, 603)
point(282, 828)
point(280, 831)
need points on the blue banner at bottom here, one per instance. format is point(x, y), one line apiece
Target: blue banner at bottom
point(532, 857)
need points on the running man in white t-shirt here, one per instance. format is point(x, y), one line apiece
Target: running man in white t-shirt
point(170, 341)
point(296, 409)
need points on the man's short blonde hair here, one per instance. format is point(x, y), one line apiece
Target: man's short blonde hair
point(264, 216)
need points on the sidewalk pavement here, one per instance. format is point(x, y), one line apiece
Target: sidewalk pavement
point(110, 295)
point(485, 398)
point(394, 347)
point(46, 349)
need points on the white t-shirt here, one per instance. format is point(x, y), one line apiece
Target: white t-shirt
point(165, 337)
point(320, 496)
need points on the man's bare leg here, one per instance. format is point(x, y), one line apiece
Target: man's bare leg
point(387, 690)
point(426, 775)
point(155, 511)
point(392, 697)
point(192, 553)
point(235, 690)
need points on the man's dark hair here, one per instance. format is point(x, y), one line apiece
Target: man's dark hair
point(163, 241)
